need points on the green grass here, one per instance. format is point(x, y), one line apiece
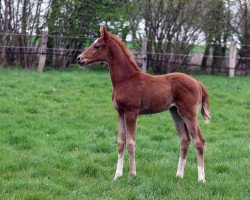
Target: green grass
point(58, 141)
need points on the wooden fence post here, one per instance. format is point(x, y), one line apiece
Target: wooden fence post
point(42, 51)
point(3, 53)
point(232, 59)
point(144, 54)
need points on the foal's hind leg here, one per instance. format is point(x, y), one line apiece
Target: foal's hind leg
point(190, 119)
point(121, 141)
point(200, 144)
point(184, 140)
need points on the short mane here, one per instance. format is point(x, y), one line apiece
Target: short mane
point(126, 51)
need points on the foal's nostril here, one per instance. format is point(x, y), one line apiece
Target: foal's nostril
point(78, 58)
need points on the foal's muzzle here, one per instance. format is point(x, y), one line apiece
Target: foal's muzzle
point(81, 63)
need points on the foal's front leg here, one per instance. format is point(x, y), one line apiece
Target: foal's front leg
point(130, 119)
point(121, 141)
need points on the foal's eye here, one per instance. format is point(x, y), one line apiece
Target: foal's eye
point(97, 46)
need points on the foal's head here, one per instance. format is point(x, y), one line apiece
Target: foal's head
point(98, 51)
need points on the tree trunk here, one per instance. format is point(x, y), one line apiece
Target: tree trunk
point(217, 63)
point(205, 59)
point(3, 60)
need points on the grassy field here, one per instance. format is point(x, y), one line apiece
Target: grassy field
point(58, 141)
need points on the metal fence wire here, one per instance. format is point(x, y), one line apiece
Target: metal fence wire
point(60, 51)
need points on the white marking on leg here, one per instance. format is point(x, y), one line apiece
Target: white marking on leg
point(201, 174)
point(119, 168)
point(181, 167)
point(121, 138)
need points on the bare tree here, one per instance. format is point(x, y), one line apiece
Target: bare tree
point(170, 28)
point(19, 20)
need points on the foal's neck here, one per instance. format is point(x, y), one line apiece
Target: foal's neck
point(120, 66)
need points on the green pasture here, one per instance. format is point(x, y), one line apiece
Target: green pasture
point(58, 141)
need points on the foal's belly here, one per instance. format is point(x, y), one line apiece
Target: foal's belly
point(155, 105)
point(147, 112)
point(154, 109)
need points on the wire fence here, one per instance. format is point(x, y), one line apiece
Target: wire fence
point(135, 40)
point(60, 51)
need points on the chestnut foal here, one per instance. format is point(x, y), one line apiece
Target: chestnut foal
point(136, 93)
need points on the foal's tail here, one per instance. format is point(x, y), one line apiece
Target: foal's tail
point(205, 104)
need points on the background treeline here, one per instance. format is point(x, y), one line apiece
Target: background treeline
point(174, 29)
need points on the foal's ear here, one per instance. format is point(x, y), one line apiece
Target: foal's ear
point(104, 33)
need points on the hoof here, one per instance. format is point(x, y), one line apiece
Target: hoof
point(202, 180)
point(117, 176)
point(132, 174)
point(179, 176)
